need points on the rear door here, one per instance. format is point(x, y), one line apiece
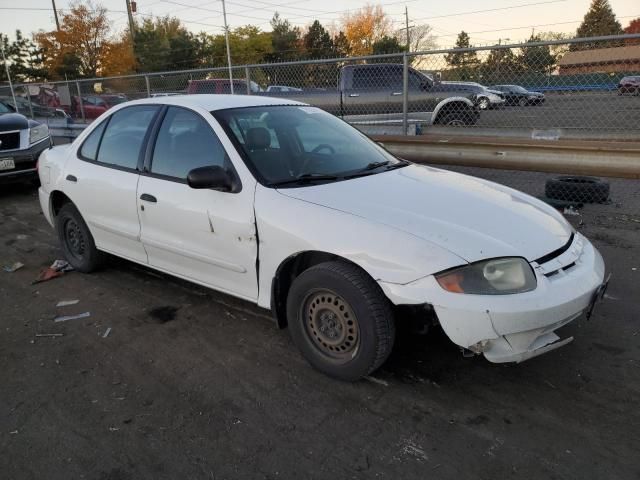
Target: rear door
point(102, 181)
point(203, 235)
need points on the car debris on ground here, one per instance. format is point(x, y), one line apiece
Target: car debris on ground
point(66, 303)
point(72, 317)
point(57, 269)
point(12, 268)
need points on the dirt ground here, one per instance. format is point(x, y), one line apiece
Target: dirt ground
point(192, 384)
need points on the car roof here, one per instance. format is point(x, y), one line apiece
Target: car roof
point(213, 102)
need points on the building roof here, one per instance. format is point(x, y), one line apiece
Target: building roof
point(629, 53)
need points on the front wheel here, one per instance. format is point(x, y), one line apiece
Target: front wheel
point(483, 104)
point(76, 240)
point(340, 320)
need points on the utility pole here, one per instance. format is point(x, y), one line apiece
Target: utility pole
point(55, 14)
point(131, 24)
point(406, 19)
point(226, 40)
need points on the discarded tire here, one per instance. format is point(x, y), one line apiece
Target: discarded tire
point(577, 189)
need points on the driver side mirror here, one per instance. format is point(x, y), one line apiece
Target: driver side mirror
point(214, 177)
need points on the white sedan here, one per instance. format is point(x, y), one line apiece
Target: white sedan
point(284, 205)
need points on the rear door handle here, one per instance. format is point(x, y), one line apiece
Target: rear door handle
point(354, 94)
point(72, 178)
point(148, 198)
point(396, 94)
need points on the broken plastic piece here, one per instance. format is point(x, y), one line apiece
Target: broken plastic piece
point(106, 333)
point(13, 268)
point(72, 317)
point(66, 303)
point(49, 334)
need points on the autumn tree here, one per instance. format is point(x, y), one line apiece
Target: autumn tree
point(119, 58)
point(364, 27)
point(598, 21)
point(633, 27)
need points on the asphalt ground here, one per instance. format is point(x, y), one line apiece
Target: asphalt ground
point(193, 384)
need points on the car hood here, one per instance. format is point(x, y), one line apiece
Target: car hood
point(470, 217)
point(13, 121)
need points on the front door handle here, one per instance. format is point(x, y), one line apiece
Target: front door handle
point(396, 94)
point(72, 178)
point(354, 94)
point(148, 198)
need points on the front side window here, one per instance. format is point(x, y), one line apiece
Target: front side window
point(283, 144)
point(186, 141)
point(124, 136)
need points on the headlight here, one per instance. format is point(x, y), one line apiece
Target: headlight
point(38, 133)
point(499, 276)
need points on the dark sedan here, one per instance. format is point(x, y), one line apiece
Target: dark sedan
point(517, 95)
point(629, 84)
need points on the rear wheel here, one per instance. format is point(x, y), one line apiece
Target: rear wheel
point(340, 320)
point(523, 102)
point(76, 240)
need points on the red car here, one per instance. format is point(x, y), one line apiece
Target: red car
point(629, 85)
point(95, 105)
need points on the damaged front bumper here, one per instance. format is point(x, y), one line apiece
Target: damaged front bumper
point(514, 328)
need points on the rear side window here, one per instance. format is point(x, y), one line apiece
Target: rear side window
point(186, 141)
point(89, 149)
point(124, 135)
point(380, 76)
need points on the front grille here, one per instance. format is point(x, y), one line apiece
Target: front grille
point(9, 140)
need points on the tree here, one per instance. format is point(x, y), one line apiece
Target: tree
point(341, 45)
point(165, 44)
point(500, 65)
point(537, 58)
point(84, 34)
point(285, 40)
point(462, 59)
point(598, 21)
point(420, 38)
point(633, 27)
point(317, 42)
point(364, 27)
point(23, 57)
point(387, 45)
point(119, 58)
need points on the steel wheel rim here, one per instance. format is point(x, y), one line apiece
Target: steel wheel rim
point(484, 104)
point(331, 325)
point(74, 239)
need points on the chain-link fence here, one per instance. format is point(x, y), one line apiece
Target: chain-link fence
point(589, 88)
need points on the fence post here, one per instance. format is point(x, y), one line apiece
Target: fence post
point(84, 120)
point(146, 80)
point(405, 93)
point(30, 105)
point(247, 77)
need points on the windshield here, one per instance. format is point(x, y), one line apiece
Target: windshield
point(291, 145)
point(519, 89)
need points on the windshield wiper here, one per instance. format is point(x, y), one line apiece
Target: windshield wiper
point(374, 165)
point(304, 179)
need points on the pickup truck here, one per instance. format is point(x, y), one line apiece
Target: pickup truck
point(372, 93)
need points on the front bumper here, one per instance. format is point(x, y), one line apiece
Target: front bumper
point(513, 328)
point(25, 161)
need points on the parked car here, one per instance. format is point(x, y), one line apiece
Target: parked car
point(95, 105)
point(285, 205)
point(282, 88)
point(26, 107)
point(517, 95)
point(221, 85)
point(373, 93)
point(485, 98)
point(630, 84)
point(22, 140)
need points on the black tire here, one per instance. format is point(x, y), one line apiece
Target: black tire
point(340, 320)
point(456, 119)
point(523, 102)
point(577, 189)
point(76, 240)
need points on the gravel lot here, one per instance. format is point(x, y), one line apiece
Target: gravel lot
point(193, 384)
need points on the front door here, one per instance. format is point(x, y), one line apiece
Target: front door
point(207, 236)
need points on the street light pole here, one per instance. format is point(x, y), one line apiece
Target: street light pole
point(226, 40)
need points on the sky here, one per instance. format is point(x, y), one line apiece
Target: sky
point(488, 22)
